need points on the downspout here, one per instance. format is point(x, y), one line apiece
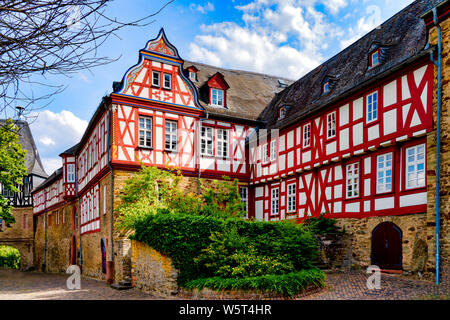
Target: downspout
point(110, 275)
point(79, 215)
point(198, 150)
point(44, 266)
point(438, 136)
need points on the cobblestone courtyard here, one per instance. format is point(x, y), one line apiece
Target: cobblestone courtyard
point(17, 285)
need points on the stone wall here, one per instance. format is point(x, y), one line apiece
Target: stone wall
point(20, 236)
point(152, 272)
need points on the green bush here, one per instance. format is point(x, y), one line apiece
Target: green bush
point(9, 257)
point(208, 246)
point(286, 284)
point(322, 225)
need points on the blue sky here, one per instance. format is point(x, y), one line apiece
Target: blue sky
point(286, 38)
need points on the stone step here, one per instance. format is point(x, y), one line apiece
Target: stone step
point(119, 286)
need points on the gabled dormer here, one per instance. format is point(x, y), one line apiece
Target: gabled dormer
point(192, 73)
point(377, 54)
point(69, 172)
point(218, 87)
point(328, 83)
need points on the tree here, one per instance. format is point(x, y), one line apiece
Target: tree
point(12, 166)
point(40, 37)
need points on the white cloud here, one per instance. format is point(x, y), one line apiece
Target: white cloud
point(202, 9)
point(335, 5)
point(363, 26)
point(55, 133)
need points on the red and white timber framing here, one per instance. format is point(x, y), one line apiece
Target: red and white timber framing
point(319, 169)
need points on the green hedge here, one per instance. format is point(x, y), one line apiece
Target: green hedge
point(285, 284)
point(184, 238)
point(9, 257)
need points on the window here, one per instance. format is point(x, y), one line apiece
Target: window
point(25, 222)
point(291, 197)
point(206, 141)
point(71, 173)
point(156, 78)
point(222, 143)
point(273, 150)
point(192, 76)
point(243, 191)
point(265, 153)
point(104, 200)
point(384, 173)
point(167, 81)
point(171, 135)
point(217, 97)
point(326, 87)
point(372, 107)
point(56, 214)
point(145, 131)
point(331, 125)
point(281, 112)
point(307, 135)
point(415, 166)
point(352, 183)
point(274, 201)
point(375, 58)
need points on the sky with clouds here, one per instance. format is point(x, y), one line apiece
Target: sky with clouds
point(286, 38)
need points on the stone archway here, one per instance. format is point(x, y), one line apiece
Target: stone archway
point(387, 246)
point(26, 249)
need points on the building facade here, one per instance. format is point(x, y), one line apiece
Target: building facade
point(355, 138)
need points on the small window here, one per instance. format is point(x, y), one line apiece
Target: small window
point(331, 125)
point(265, 153)
point(217, 98)
point(415, 166)
point(167, 81)
point(192, 76)
point(375, 58)
point(326, 87)
point(104, 200)
point(145, 132)
point(243, 192)
point(372, 107)
point(352, 184)
point(273, 150)
point(384, 173)
point(291, 198)
point(206, 141)
point(156, 78)
point(171, 135)
point(25, 222)
point(281, 112)
point(70, 173)
point(307, 135)
point(222, 143)
point(274, 201)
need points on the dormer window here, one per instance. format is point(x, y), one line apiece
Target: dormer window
point(281, 112)
point(192, 76)
point(217, 97)
point(326, 87)
point(374, 58)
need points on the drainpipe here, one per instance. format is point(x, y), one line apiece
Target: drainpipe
point(438, 135)
point(110, 264)
point(198, 150)
point(79, 215)
point(44, 266)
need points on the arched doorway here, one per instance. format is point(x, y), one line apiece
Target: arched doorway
point(103, 250)
point(387, 246)
point(73, 251)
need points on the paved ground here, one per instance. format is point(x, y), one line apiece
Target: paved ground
point(17, 285)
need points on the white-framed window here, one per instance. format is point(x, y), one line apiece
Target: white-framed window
point(307, 135)
point(384, 173)
point(265, 153)
point(415, 166)
point(281, 112)
point(291, 197)
point(222, 143)
point(217, 97)
point(71, 173)
point(372, 107)
point(145, 131)
point(331, 124)
point(273, 150)
point(326, 87)
point(375, 58)
point(352, 182)
point(192, 76)
point(243, 191)
point(167, 84)
point(206, 141)
point(274, 200)
point(156, 78)
point(171, 137)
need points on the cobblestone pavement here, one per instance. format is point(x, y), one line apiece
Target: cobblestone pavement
point(352, 286)
point(17, 285)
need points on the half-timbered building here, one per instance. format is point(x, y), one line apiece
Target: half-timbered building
point(354, 139)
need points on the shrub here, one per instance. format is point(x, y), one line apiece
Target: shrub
point(322, 225)
point(9, 257)
point(286, 284)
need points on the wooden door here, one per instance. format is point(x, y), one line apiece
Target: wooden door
point(387, 246)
